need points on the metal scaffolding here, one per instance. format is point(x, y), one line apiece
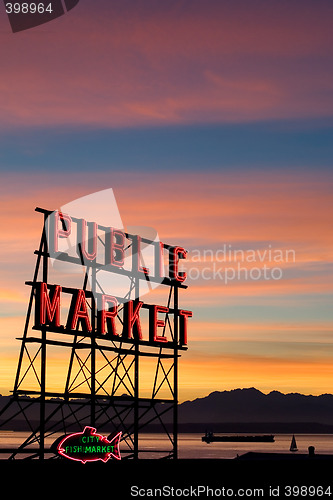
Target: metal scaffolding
point(102, 376)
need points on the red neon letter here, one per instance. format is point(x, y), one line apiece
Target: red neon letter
point(91, 244)
point(114, 247)
point(159, 264)
point(183, 315)
point(107, 322)
point(154, 323)
point(48, 311)
point(139, 268)
point(78, 312)
point(176, 253)
point(55, 232)
point(132, 325)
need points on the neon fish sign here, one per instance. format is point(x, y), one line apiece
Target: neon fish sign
point(88, 446)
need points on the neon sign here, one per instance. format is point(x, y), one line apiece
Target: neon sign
point(96, 313)
point(48, 312)
point(84, 236)
point(88, 446)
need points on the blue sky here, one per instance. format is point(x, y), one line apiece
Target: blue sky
point(264, 145)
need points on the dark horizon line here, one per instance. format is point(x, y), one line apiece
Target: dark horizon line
point(253, 389)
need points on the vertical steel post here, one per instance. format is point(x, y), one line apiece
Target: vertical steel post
point(136, 381)
point(43, 349)
point(175, 373)
point(27, 319)
point(93, 348)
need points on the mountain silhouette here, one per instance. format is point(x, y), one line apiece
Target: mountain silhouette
point(252, 406)
point(238, 410)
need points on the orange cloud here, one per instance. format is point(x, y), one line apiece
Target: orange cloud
point(201, 375)
point(257, 213)
point(255, 331)
point(221, 209)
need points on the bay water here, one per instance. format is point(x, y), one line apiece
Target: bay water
point(191, 446)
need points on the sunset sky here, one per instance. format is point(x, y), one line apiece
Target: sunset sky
point(212, 121)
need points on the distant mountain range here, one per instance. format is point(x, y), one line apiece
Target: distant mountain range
point(245, 410)
point(249, 407)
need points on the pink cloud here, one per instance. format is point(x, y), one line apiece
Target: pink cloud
point(158, 66)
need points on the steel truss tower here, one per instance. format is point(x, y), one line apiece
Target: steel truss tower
point(101, 377)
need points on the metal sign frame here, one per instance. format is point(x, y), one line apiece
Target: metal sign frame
point(102, 386)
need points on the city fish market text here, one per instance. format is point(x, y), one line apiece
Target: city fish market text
point(88, 446)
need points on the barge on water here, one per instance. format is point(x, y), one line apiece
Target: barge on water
point(210, 437)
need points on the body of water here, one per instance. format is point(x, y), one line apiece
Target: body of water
point(191, 446)
point(190, 443)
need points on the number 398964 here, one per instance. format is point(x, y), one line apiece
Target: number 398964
point(28, 8)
